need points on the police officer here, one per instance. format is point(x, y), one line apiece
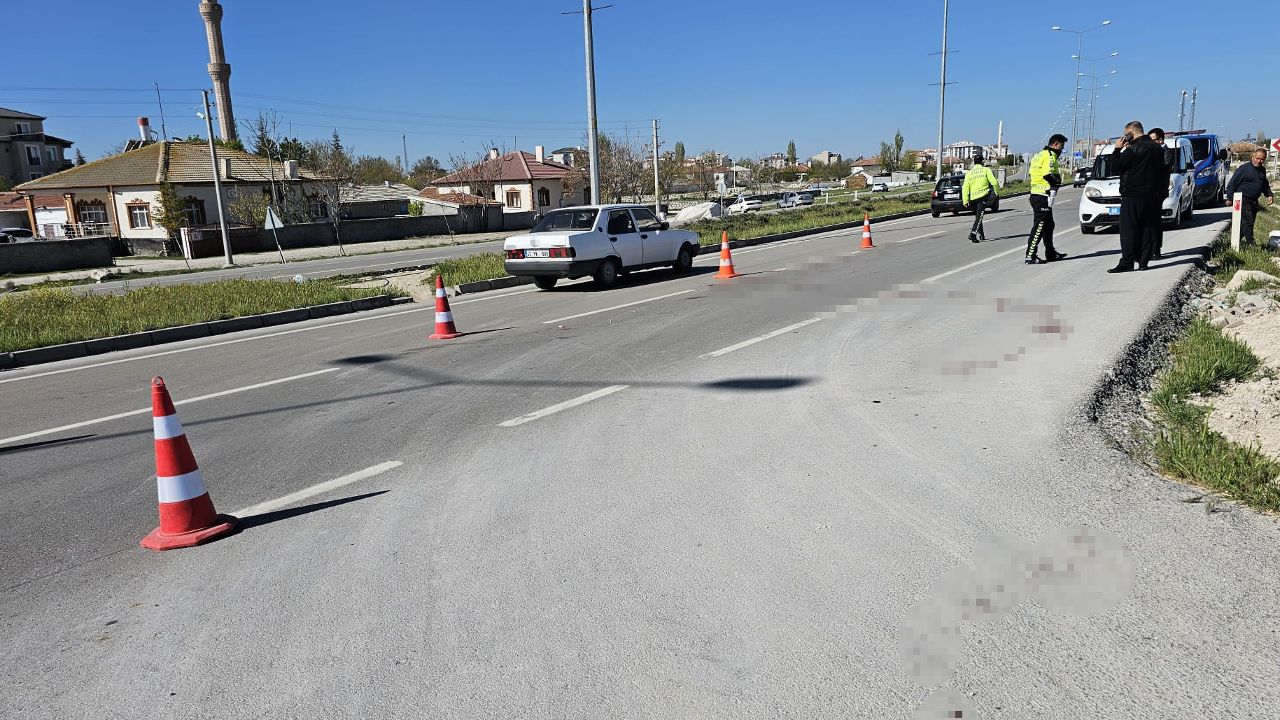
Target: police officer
point(1045, 178)
point(978, 192)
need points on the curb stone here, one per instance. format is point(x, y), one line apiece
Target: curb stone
point(98, 346)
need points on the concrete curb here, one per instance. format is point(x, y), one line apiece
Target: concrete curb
point(54, 353)
point(500, 283)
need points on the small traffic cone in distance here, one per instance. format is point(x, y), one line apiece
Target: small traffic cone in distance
point(866, 231)
point(444, 317)
point(726, 259)
point(187, 516)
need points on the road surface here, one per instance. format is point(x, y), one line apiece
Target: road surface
point(678, 498)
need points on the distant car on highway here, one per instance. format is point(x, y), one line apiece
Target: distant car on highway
point(792, 199)
point(946, 196)
point(743, 205)
point(602, 241)
point(16, 235)
point(880, 187)
point(1082, 176)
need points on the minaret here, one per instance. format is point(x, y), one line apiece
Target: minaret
point(219, 70)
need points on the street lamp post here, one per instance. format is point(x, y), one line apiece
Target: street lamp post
point(1076, 101)
point(1093, 100)
point(942, 96)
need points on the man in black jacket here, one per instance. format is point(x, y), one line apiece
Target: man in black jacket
point(1170, 156)
point(1140, 163)
point(1250, 180)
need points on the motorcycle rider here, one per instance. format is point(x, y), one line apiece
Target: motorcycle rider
point(1045, 177)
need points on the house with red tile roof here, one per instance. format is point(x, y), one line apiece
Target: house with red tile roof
point(522, 182)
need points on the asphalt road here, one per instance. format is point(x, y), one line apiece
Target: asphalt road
point(678, 498)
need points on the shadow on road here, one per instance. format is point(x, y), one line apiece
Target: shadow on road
point(44, 443)
point(639, 278)
point(253, 521)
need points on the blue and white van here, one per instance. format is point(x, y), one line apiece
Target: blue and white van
point(1211, 166)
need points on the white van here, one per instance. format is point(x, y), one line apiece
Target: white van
point(1100, 203)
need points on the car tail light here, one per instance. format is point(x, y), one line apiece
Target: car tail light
point(935, 193)
point(515, 254)
point(564, 252)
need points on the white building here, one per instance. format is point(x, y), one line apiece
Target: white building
point(521, 181)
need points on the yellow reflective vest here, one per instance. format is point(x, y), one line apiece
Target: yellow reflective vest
point(1044, 164)
point(978, 182)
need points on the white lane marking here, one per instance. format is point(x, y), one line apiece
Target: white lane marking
point(983, 261)
point(762, 338)
point(921, 237)
point(272, 505)
point(492, 297)
point(616, 307)
point(560, 407)
point(210, 396)
point(778, 270)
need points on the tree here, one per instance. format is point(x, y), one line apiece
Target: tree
point(909, 161)
point(374, 170)
point(249, 208)
point(478, 173)
point(332, 161)
point(679, 156)
point(263, 131)
point(621, 167)
point(80, 157)
point(424, 171)
point(5, 185)
point(791, 152)
point(116, 149)
point(294, 149)
point(169, 216)
point(891, 155)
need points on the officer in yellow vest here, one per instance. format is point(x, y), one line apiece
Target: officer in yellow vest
point(1045, 178)
point(979, 193)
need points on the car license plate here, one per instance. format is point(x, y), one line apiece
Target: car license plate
point(950, 196)
point(1113, 211)
point(537, 253)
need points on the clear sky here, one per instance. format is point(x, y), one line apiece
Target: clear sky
point(740, 77)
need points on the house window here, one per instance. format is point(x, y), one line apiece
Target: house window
point(92, 212)
point(33, 155)
point(544, 197)
point(319, 209)
point(54, 156)
point(139, 217)
point(24, 128)
point(513, 198)
point(193, 212)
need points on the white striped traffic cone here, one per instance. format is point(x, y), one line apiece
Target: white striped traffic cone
point(187, 516)
point(866, 232)
point(726, 259)
point(444, 317)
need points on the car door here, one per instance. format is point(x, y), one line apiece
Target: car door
point(623, 238)
point(656, 244)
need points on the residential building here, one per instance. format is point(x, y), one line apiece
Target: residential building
point(376, 201)
point(571, 156)
point(523, 182)
point(13, 210)
point(869, 166)
point(963, 150)
point(119, 195)
point(996, 151)
point(26, 151)
point(777, 161)
point(826, 157)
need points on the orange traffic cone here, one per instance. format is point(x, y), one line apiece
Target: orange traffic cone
point(444, 318)
point(726, 259)
point(187, 516)
point(866, 231)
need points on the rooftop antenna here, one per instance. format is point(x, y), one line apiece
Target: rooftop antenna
point(163, 132)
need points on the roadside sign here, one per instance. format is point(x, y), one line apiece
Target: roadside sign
point(273, 220)
point(1236, 201)
point(1275, 144)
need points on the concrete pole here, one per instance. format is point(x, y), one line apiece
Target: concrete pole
point(217, 181)
point(1075, 107)
point(657, 187)
point(593, 140)
point(1182, 112)
point(942, 95)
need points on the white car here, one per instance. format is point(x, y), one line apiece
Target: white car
point(743, 205)
point(793, 199)
point(1100, 203)
point(602, 241)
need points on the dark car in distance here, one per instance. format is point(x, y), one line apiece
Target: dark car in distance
point(946, 196)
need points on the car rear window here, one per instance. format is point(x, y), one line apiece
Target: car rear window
point(583, 219)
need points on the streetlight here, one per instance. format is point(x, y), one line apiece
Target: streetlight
point(1076, 100)
point(1094, 91)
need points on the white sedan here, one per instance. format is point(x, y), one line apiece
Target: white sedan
point(743, 205)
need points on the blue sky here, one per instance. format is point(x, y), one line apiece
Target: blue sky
point(740, 77)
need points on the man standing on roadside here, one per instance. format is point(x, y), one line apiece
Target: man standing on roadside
point(1140, 164)
point(978, 191)
point(1045, 177)
point(1250, 180)
point(1157, 228)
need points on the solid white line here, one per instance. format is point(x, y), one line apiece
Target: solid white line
point(617, 307)
point(210, 396)
point(272, 505)
point(921, 237)
point(762, 338)
point(552, 410)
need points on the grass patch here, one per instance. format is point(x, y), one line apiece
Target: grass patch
point(472, 268)
point(1203, 361)
point(52, 316)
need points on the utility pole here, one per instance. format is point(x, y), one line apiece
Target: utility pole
point(1194, 92)
point(405, 144)
point(942, 95)
point(657, 187)
point(217, 181)
point(1182, 112)
point(593, 139)
point(164, 132)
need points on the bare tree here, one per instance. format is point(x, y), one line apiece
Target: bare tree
point(334, 163)
point(480, 173)
point(622, 168)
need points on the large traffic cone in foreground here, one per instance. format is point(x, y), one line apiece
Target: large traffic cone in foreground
point(444, 317)
point(866, 231)
point(187, 516)
point(726, 258)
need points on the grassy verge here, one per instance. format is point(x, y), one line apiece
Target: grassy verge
point(1203, 360)
point(52, 316)
point(472, 268)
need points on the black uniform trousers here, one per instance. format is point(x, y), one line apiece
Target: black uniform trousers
point(980, 207)
point(1041, 227)
point(1137, 237)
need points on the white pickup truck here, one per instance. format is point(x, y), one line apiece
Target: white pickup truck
point(602, 241)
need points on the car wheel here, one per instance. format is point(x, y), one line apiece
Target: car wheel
point(684, 261)
point(606, 276)
point(955, 212)
point(1087, 230)
point(936, 213)
point(544, 283)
